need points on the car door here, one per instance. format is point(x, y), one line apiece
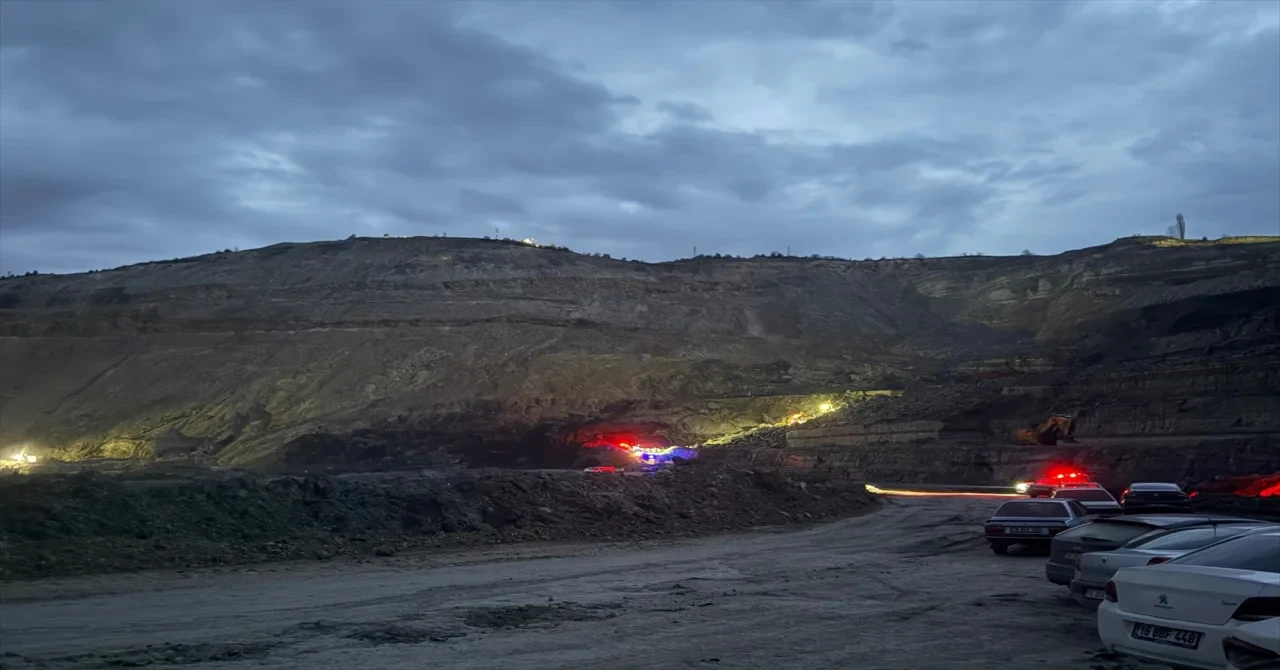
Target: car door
point(1081, 514)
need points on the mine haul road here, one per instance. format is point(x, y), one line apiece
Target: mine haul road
point(908, 586)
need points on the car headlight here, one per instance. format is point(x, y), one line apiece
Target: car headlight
point(1021, 487)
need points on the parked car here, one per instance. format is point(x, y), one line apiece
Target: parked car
point(1112, 533)
point(1096, 500)
point(1096, 568)
point(1253, 646)
point(1154, 497)
point(1182, 612)
point(1032, 522)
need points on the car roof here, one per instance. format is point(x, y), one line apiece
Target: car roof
point(1175, 520)
point(1061, 502)
point(1154, 486)
point(1265, 528)
point(1250, 528)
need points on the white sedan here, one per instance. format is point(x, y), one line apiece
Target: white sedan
point(1180, 612)
point(1254, 646)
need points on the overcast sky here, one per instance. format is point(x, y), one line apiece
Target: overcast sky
point(133, 131)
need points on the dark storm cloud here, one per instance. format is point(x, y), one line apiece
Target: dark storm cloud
point(687, 112)
point(134, 130)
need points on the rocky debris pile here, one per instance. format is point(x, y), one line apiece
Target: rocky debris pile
point(1246, 485)
point(939, 401)
point(772, 437)
point(1253, 507)
point(92, 523)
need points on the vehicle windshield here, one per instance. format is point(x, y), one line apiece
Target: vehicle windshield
point(1155, 488)
point(1244, 552)
point(1191, 538)
point(1107, 531)
point(1142, 540)
point(1034, 509)
point(1085, 495)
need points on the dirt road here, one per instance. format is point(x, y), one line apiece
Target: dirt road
point(909, 586)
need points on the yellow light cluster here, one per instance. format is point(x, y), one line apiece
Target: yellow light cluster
point(796, 418)
point(21, 456)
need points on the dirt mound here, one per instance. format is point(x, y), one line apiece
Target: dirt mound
point(86, 523)
point(1254, 508)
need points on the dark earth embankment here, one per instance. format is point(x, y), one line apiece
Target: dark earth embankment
point(54, 525)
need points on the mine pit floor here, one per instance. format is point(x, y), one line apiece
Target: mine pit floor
point(910, 585)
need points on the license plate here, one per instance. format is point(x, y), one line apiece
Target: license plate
point(1187, 639)
point(1094, 594)
point(1028, 531)
point(1071, 556)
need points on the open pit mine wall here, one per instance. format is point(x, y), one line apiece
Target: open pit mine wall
point(371, 347)
point(1186, 420)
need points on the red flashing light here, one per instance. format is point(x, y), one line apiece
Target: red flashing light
point(1061, 472)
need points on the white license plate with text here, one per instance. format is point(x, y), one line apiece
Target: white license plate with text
point(1187, 639)
point(1023, 530)
point(1094, 594)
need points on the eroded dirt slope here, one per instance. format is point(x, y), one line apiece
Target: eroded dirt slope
point(87, 523)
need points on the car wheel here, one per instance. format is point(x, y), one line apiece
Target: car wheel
point(1000, 548)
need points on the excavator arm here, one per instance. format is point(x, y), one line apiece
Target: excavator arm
point(1057, 428)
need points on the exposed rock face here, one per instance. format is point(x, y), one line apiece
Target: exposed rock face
point(443, 350)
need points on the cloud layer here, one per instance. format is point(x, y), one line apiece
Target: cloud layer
point(137, 130)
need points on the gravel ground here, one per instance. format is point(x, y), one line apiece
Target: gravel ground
point(909, 586)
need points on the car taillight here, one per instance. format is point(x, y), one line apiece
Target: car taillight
point(1111, 594)
point(1157, 559)
point(1257, 609)
point(993, 529)
point(1241, 654)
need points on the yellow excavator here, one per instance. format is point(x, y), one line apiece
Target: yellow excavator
point(1057, 428)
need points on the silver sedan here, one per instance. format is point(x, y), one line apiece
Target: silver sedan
point(1094, 569)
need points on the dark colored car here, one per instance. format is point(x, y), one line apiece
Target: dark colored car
point(1032, 522)
point(1045, 486)
point(1096, 501)
point(1113, 533)
point(1154, 497)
